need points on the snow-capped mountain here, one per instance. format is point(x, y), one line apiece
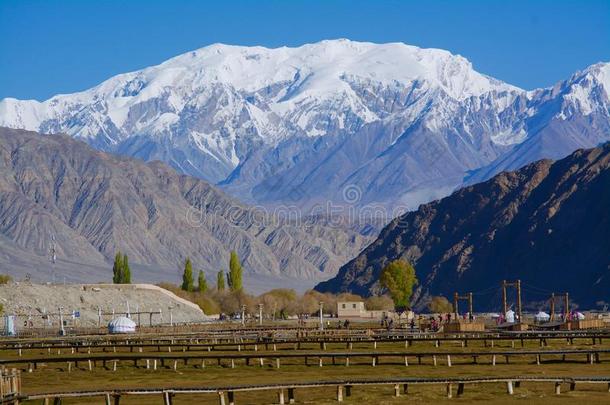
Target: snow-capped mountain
point(337, 120)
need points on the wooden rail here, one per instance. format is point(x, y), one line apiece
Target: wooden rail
point(375, 358)
point(305, 334)
point(193, 345)
point(197, 344)
point(343, 388)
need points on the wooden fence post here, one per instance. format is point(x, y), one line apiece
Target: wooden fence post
point(339, 393)
point(280, 397)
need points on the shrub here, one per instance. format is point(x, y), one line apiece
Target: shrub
point(440, 304)
point(379, 303)
point(5, 279)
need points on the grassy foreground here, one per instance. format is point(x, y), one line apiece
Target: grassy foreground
point(55, 378)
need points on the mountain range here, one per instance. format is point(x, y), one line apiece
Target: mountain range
point(341, 122)
point(547, 224)
point(58, 195)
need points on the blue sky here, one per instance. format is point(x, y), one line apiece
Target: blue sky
point(49, 47)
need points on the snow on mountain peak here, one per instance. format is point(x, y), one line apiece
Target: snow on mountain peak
point(208, 110)
point(298, 84)
point(326, 62)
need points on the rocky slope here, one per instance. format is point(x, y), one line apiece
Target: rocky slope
point(388, 124)
point(93, 204)
point(547, 224)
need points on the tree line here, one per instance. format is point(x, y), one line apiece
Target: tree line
point(234, 278)
point(398, 278)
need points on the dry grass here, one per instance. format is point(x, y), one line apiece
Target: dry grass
point(54, 377)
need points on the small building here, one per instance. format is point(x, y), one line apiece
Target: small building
point(351, 309)
point(121, 325)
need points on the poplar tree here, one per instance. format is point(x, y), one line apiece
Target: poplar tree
point(187, 276)
point(235, 272)
point(202, 284)
point(126, 273)
point(399, 279)
point(117, 268)
point(220, 281)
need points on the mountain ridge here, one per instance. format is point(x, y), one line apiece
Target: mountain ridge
point(546, 224)
point(58, 191)
point(297, 126)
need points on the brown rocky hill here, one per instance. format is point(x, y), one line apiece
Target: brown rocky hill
point(547, 224)
point(94, 203)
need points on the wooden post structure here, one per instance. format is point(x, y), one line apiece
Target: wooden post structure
point(457, 298)
point(566, 305)
point(517, 285)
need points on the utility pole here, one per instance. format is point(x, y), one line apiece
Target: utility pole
point(504, 307)
point(62, 331)
point(519, 299)
point(552, 318)
point(260, 314)
point(321, 316)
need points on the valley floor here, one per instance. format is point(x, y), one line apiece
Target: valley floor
point(55, 377)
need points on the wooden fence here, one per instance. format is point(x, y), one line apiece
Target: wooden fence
point(373, 358)
point(228, 344)
point(343, 388)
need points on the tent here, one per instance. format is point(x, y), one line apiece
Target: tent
point(542, 317)
point(579, 315)
point(510, 316)
point(121, 325)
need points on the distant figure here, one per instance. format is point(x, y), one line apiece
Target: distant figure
point(346, 324)
point(412, 324)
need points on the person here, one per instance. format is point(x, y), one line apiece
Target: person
point(346, 324)
point(412, 324)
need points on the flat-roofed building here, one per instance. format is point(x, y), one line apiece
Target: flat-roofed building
point(351, 309)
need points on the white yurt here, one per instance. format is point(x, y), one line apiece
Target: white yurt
point(510, 316)
point(121, 325)
point(580, 316)
point(542, 317)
